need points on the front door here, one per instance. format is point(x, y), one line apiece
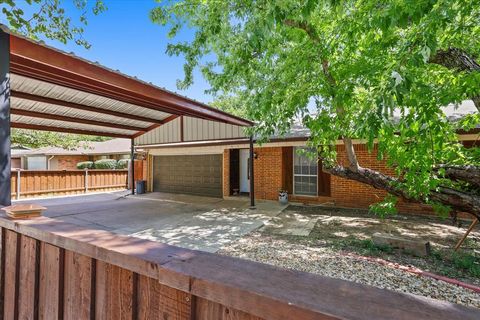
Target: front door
point(244, 168)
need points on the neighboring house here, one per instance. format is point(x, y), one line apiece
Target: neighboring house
point(51, 158)
point(17, 153)
point(201, 157)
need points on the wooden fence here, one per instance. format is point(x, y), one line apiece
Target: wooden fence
point(54, 270)
point(37, 183)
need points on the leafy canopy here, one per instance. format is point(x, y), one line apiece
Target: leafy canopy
point(50, 19)
point(349, 68)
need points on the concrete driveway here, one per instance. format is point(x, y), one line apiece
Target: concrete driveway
point(187, 221)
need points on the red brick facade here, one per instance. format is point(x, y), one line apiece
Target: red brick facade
point(269, 175)
point(69, 162)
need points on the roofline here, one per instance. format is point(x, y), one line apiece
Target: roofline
point(234, 141)
point(41, 62)
point(75, 154)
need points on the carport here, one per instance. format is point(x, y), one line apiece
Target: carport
point(45, 89)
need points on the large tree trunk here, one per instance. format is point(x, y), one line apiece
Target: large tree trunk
point(456, 199)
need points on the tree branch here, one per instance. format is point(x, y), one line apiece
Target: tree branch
point(457, 59)
point(470, 174)
point(456, 199)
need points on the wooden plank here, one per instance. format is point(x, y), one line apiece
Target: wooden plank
point(157, 301)
point(27, 285)
point(258, 289)
point(2, 270)
point(77, 289)
point(10, 285)
point(49, 292)
point(114, 292)
point(416, 247)
point(207, 310)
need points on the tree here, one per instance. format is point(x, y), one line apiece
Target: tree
point(49, 19)
point(373, 70)
point(39, 139)
point(232, 104)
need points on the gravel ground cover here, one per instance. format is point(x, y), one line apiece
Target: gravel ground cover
point(317, 253)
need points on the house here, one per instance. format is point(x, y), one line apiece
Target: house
point(16, 155)
point(188, 156)
point(54, 158)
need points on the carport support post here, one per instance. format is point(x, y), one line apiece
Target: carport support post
point(5, 169)
point(132, 165)
point(252, 176)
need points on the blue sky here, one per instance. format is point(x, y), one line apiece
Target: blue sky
point(124, 38)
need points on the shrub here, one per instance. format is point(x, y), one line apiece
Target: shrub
point(105, 164)
point(123, 163)
point(85, 165)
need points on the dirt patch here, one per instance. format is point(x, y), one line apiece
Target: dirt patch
point(339, 232)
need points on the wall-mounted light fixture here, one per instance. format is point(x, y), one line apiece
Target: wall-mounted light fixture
point(255, 155)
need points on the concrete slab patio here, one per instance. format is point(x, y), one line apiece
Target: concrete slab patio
point(193, 222)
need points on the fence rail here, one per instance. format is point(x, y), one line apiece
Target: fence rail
point(54, 270)
point(36, 183)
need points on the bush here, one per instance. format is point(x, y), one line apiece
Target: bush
point(105, 164)
point(123, 163)
point(85, 165)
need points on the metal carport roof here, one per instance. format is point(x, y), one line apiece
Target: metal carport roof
point(56, 91)
point(42, 88)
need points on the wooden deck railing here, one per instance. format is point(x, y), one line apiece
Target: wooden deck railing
point(54, 270)
point(37, 183)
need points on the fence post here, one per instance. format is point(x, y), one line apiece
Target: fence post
point(19, 184)
point(86, 180)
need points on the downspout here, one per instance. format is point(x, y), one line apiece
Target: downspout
point(48, 162)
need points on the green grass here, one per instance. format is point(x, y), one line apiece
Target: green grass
point(364, 247)
point(455, 263)
point(444, 262)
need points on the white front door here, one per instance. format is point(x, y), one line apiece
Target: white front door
point(244, 176)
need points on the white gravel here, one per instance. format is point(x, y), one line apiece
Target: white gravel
point(328, 262)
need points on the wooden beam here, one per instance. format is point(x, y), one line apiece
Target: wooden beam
point(36, 61)
point(166, 120)
point(66, 130)
point(62, 103)
point(182, 138)
point(51, 116)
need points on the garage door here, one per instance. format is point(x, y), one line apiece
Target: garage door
point(192, 174)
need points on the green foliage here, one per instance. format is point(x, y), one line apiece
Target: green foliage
point(50, 19)
point(123, 163)
point(105, 164)
point(85, 165)
point(358, 69)
point(38, 139)
point(231, 104)
point(467, 262)
point(385, 207)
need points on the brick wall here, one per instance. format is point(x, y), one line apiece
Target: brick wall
point(69, 162)
point(226, 172)
point(268, 172)
point(344, 192)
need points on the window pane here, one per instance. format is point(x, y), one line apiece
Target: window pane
point(296, 163)
point(305, 174)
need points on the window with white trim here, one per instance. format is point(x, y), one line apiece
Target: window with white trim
point(305, 171)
